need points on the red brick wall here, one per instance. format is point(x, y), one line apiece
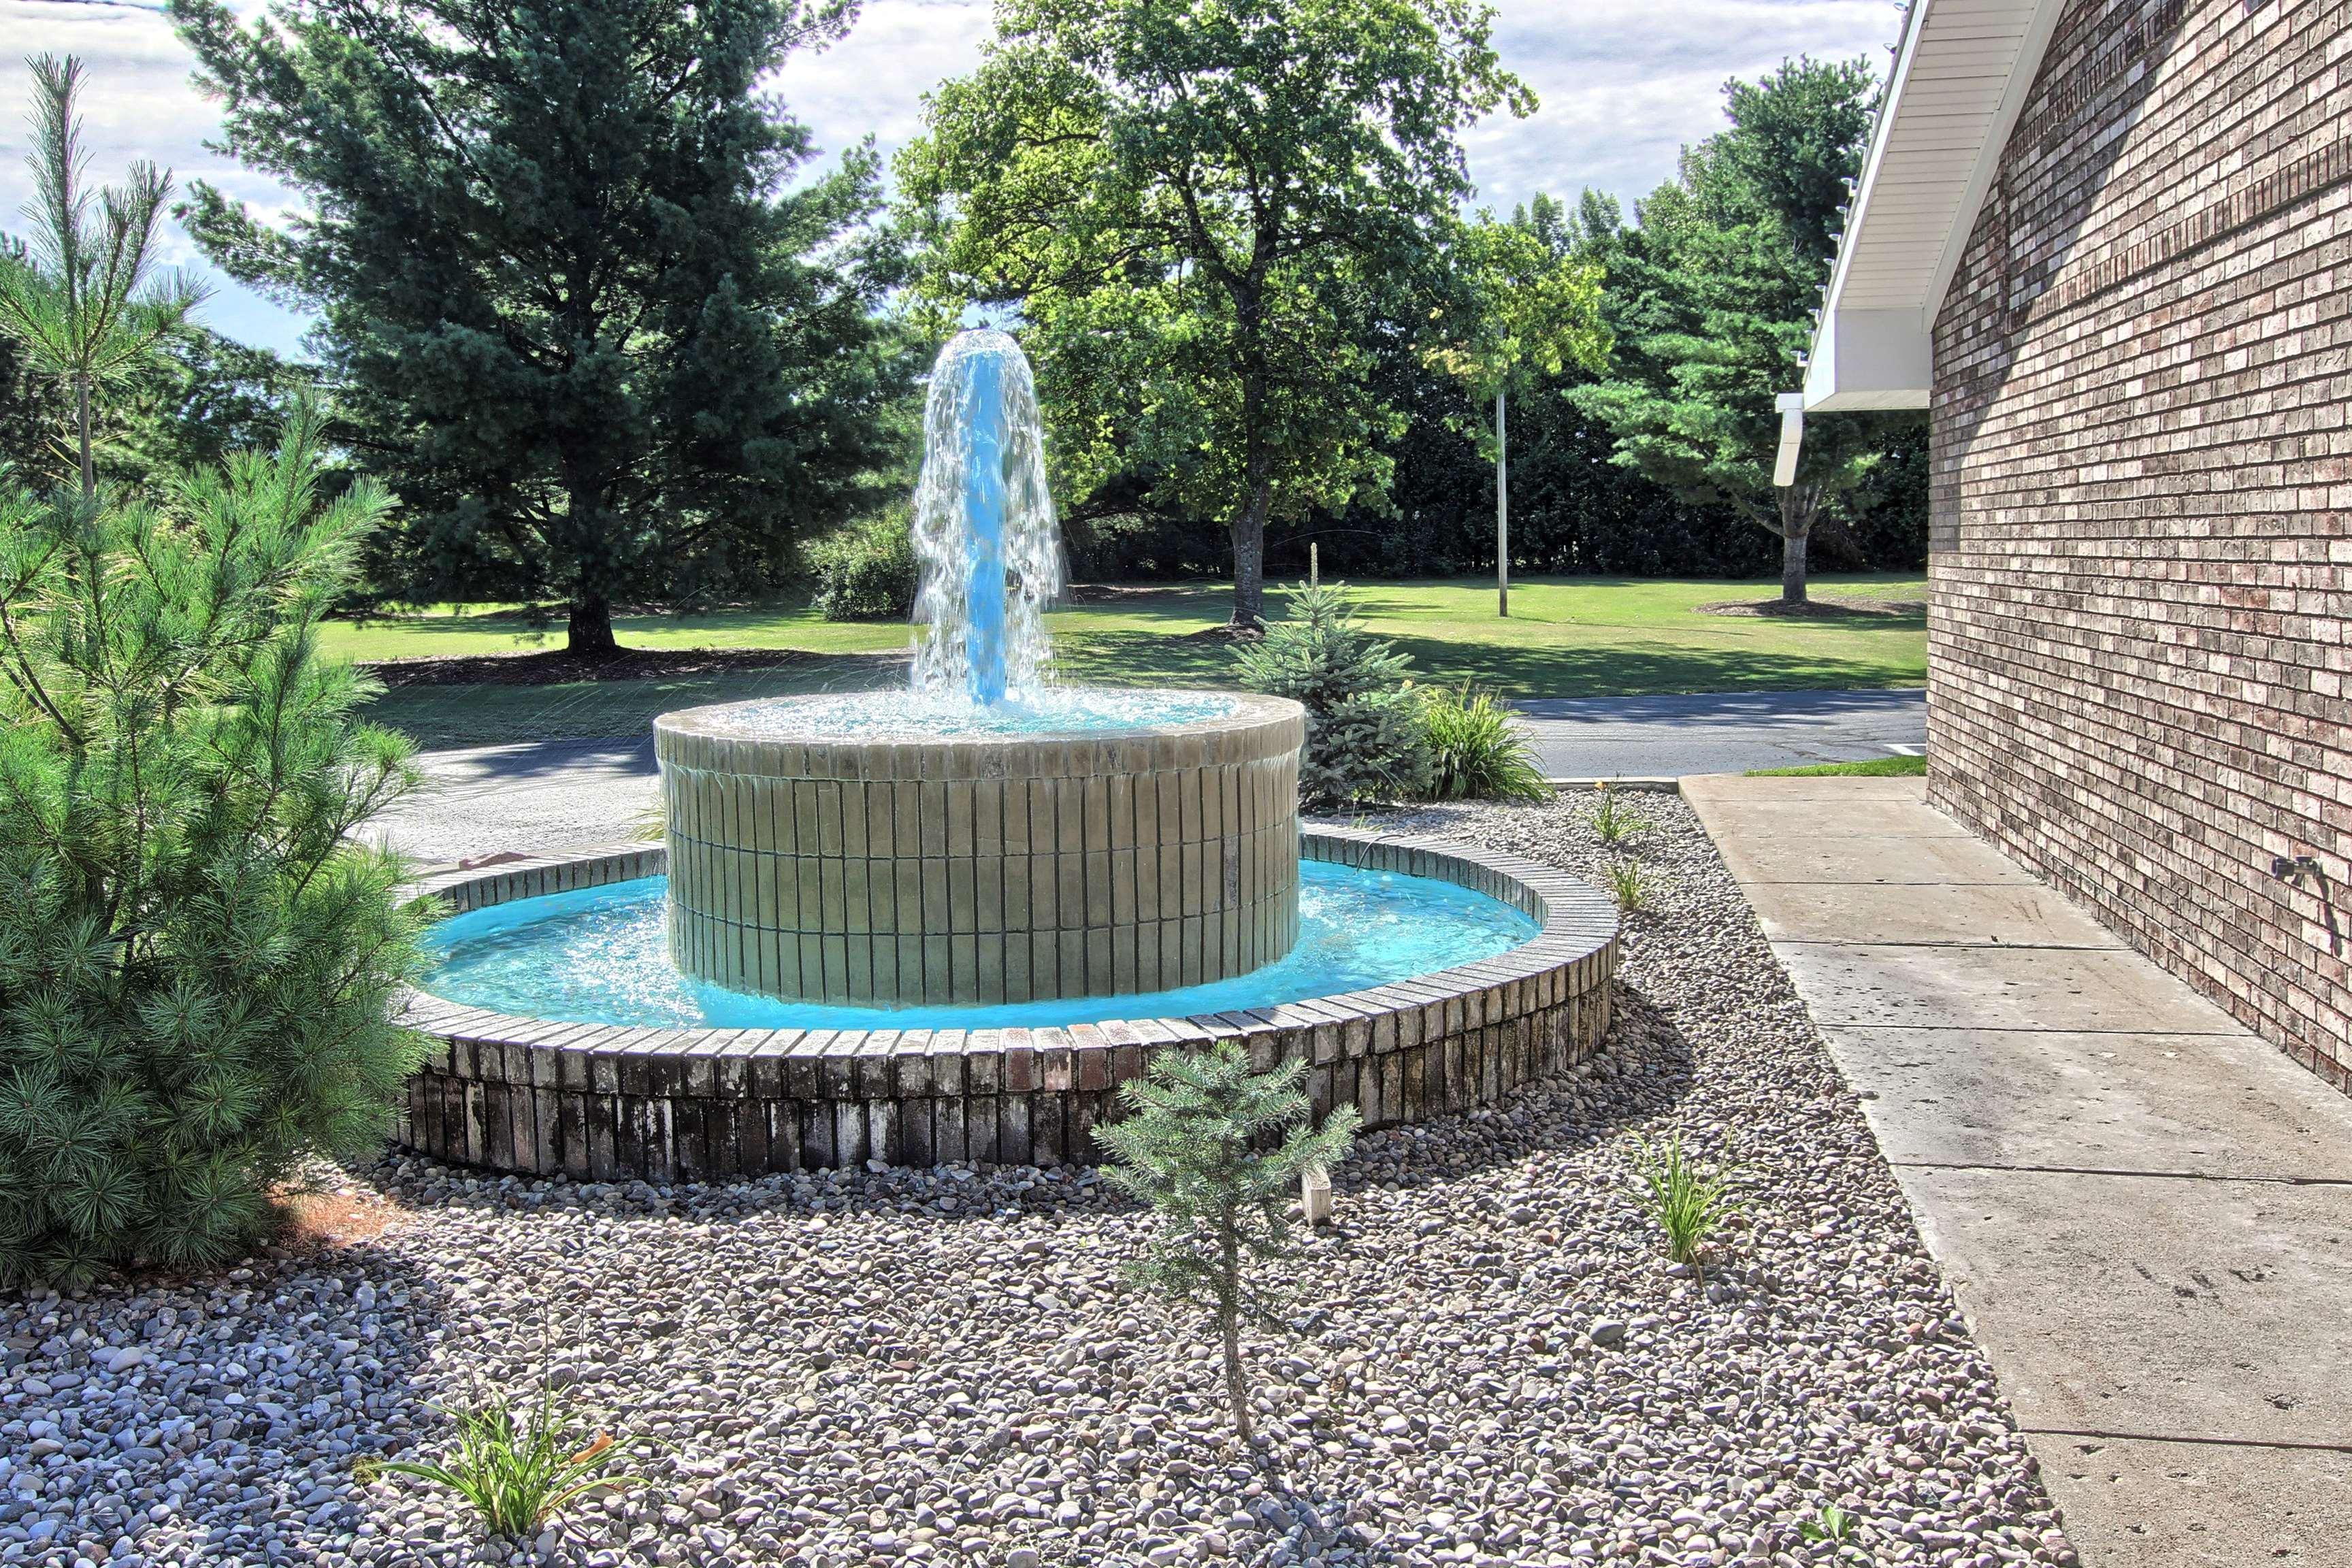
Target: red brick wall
point(2141, 576)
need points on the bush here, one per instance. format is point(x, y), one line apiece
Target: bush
point(867, 571)
point(1474, 751)
point(197, 961)
point(1363, 729)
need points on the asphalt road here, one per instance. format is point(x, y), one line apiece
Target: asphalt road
point(1667, 737)
point(542, 795)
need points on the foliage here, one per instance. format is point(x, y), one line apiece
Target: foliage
point(84, 302)
point(1831, 1524)
point(1688, 1202)
point(866, 570)
point(197, 958)
point(1711, 305)
point(1612, 819)
point(1364, 736)
point(1631, 884)
point(594, 328)
point(1215, 221)
point(1525, 311)
point(517, 1474)
point(1199, 1144)
point(1474, 751)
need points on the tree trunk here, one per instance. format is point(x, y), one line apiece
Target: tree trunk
point(81, 421)
point(590, 628)
point(1798, 503)
point(1249, 558)
point(1793, 568)
point(1229, 1319)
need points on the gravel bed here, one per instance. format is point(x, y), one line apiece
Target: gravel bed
point(1490, 1361)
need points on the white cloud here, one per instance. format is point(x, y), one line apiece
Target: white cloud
point(1623, 85)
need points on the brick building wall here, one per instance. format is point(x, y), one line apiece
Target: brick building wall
point(2141, 573)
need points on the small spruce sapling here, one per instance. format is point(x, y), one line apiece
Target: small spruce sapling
point(1195, 1147)
point(1363, 730)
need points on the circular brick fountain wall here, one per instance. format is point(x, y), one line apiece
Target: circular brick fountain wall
point(980, 869)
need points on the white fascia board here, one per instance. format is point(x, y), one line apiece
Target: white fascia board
point(1858, 209)
point(1868, 359)
point(2031, 46)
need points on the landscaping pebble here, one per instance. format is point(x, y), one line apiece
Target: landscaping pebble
point(1489, 1360)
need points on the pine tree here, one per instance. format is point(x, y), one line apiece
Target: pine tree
point(197, 960)
point(1362, 738)
point(84, 301)
point(589, 325)
point(1194, 1149)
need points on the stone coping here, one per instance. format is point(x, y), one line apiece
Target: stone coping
point(1253, 728)
point(603, 1101)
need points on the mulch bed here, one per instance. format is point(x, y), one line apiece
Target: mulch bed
point(1816, 609)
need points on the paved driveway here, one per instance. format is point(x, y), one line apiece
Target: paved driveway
point(1730, 733)
point(535, 797)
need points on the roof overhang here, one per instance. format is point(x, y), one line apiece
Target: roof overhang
point(1961, 78)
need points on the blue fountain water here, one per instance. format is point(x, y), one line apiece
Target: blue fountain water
point(600, 956)
point(984, 531)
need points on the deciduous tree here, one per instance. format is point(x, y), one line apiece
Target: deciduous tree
point(1214, 218)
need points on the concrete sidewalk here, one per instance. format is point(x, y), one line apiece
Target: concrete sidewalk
point(2145, 1212)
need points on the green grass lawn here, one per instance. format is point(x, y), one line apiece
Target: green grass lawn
point(1566, 637)
point(1875, 768)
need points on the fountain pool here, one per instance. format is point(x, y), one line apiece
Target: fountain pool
point(947, 922)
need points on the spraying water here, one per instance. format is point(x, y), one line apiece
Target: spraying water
point(984, 529)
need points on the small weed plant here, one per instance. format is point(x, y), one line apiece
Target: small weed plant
point(1688, 1201)
point(1475, 752)
point(1630, 883)
point(1613, 820)
point(517, 1470)
point(1216, 1149)
point(1834, 1527)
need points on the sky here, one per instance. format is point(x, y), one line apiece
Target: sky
point(1624, 84)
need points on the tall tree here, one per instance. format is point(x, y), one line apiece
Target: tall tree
point(596, 345)
point(85, 302)
point(1212, 218)
point(1712, 302)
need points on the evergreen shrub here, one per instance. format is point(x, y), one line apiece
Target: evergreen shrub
point(866, 570)
point(197, 957)
point(1363, 729)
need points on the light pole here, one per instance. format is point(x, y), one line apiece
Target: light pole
point(1502, 514)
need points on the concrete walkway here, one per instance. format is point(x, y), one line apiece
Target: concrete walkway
point(2145, 1211)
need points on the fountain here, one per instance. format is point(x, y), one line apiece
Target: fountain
point(944, 923)
point(984, 836)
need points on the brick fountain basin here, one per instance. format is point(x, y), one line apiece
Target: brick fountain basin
point(606, 1102)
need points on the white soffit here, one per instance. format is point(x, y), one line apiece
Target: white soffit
point(1961, 78)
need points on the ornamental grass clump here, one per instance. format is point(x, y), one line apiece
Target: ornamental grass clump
point(1363, 724)
point(1688, 1201)
point(1216, 1149)
point(197, 958)
point(516, 1473)
point(1612, 819)
point(1474, 751)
